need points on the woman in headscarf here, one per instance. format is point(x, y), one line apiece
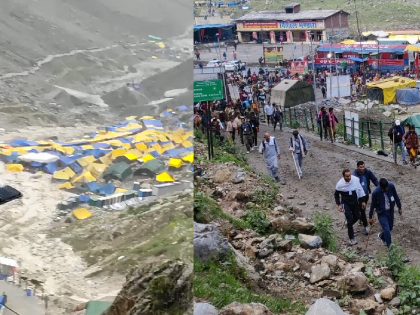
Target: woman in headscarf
point(411, 140)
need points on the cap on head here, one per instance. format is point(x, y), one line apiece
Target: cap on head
point(397, 122)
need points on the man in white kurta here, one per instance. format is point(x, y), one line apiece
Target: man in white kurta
point(271, 153)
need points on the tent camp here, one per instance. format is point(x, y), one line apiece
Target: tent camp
point(292, 92)
point(408, 96)
point(386, 91)
point(413, 120)
point(151, 168)
point(119, 170)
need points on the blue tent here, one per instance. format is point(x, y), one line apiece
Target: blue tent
point(155, 154)
point(107, 189)
point(50, 168)
point(182, 107)
point(101, 145)
point(84, 198)
point(36, 164)
point(75, 167)
point(93, 186)
point(155, 123)
point(174, 152)
point(22, 143)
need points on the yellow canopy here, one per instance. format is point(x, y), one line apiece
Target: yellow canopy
point(164, 177)
point(66, 185)
point(120, 190)
point(82, 214)
point(161, 45)
point(389, 87)
point(141, 146)
point(147, 158)
point(65, 174)
point(412, 48)
point(106, 159)
point(147, 117)
point(97, 169)
point(85, 161)
point(14, 168)
point(189, 158)
point(177, 163)
point(131, 156)
point(86, 177)
point(118, 152)
point(187, 144)
point(131, 117)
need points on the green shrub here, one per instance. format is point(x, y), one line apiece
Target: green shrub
point(257, 219)
point(323, 226)
point(409, 281)
point(222, 283)
point(395, 259)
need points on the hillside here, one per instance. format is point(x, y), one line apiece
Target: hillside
point(373, 15)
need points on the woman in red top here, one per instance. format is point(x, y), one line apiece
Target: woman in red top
point(411, 140)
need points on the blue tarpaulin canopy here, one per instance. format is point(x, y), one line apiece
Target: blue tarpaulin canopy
point(408, 96)
point(199, 27)
point(93, 186)
point(107, 189)
point(156, 123)
point(357, 59)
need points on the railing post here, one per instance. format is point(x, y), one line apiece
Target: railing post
point(352, 131)
point(294, 111)
point(361, 134)
point(312, 120)
point(369, 135)
point(344, 128)
point(290, 116)
point(381, 132)
point(306, 120)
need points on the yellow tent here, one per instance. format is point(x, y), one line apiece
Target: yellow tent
point(14, 168)
point(187, 144)
point(164, 177)
point(161, 45)
point(66, 185)
point(389, 87)
point(87, 147)
point(141, 146)
point(118, 152)
point(189, 158)
point(66, 150)
point(86, 177)
point(82, 214)
point(177, 163)
point(131, 118)
point(169, 146)
point(148, 117)
point(106, 159)
point(85, 161)
point(97, 169)
point(120, 190)
point(147, 158)
point(412, 48)
point(65, 174)
point(131, 156)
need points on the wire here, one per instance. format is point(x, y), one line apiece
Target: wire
point(11, 310)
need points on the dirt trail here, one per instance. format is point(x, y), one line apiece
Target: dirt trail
point(321, 171)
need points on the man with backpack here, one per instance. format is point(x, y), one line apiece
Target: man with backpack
point(299, 148)
point(277, 117)
point(255, 126)
point(365, 176)
point(271, 152)
point(396, 133)
point(246, 134)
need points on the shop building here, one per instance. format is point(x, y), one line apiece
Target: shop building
point(292, 25)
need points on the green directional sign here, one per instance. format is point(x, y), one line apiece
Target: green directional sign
point(210, 90)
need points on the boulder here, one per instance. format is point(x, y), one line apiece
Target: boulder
point(309, 241)
point(239, 178)
point(155, 288)
point(320, 272)
point(251, 249)
point(330, 260)
point(209, 242)
point(284, 245)
point(395, 302)
point(378, 298)
point(205, 309)
point(389, 312)
point(369, 306)
point(325, 307)
point(388, 293)
point(265, 252)
point(222, 176)
point(353, 282)
point(236, 308)
point(282, 266)
point(298, 225)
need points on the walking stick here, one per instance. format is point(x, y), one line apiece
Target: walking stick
point(370, 231)
point(294, 160)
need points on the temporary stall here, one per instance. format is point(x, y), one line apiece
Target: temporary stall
point(14, 168)
point(151, 168)
point(8, 267)
point(386, 91)
point(177, 163)
point(64, 174)
point(408, 96)
point(81, 214)
point(292, 92)
point(119, 170)
point(413, 120)
point(39, 157)
point(164, 177)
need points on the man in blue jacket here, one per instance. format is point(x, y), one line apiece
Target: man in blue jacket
point(365, 176)
point(384, 199)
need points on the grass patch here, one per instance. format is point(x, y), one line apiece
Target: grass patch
point(323, 225)
point(206, 210)
point(222, 283)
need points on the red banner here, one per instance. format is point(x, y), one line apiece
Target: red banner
point(385, 62)
point(299, 66)
point(260, 25)
point(326, 61)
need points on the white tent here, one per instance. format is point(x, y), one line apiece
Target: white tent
point(39, 157)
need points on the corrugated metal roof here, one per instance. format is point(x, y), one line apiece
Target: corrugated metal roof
point(283, 16)
point(291, 5)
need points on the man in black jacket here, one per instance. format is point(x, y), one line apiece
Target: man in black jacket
point(351, 192)
point(365, 176)
point(396, 134)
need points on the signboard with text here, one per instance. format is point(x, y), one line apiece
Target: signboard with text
point(338, 61)
point(210, 90)
point(260, 25)
point(299, 66)
point(273, 53)
point(301, 25)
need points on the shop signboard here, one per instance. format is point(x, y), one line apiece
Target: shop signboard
point(301, 25)
point(209, 90)
point(260, 25)
point(273, 53)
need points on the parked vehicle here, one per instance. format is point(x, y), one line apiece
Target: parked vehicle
point(230, 66)
point(214, 63)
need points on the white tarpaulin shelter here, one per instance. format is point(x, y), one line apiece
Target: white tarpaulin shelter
point(7, 266)
point(39, 157)
point(341, 86)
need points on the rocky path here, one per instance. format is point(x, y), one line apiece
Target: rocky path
point(321, 171)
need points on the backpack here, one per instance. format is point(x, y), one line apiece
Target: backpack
point(246, 129)
point(277, 115)
point(275, 145)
